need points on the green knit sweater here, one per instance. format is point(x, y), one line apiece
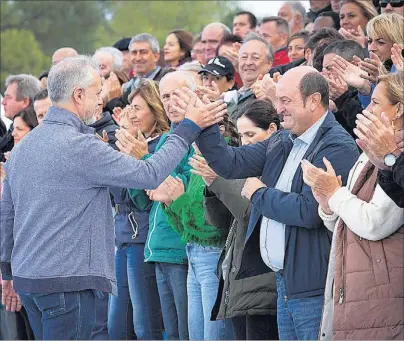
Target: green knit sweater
point(186, 215)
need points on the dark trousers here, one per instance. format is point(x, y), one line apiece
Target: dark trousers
point(61, 316)
point(255, 327)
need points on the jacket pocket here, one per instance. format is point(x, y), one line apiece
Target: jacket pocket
point(379, 263)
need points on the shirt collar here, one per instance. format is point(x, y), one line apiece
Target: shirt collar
point(63, 116)
point(309, 135)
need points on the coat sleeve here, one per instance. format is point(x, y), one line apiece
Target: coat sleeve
point(301, 209)
point(228, 192)
point(231, 162)
point(348, 107)
point(6, 230)
point(104, 166)
point(393, 182)
point(374, 220)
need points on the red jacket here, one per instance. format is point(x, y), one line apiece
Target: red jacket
point(281, 57)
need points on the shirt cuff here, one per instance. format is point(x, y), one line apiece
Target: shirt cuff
point(325, 217)
point(6, 273)
point(188, 130)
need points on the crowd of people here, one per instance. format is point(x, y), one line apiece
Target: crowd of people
point(243, 183)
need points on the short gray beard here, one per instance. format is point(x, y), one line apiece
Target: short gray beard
point(90, 120)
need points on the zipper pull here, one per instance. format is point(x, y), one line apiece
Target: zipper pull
point(341, 295)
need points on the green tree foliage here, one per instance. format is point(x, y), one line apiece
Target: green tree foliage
point(160, 17)
point(56, 23)
point(20, 53)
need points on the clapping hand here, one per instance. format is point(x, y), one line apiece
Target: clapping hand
point(397, 56)
point(356, 35)
point(377, 137)
point(212, 93)
point(371, 66)
point(203, 114)
point(337, 85)
point(232, 54)
point(104, 137)
point(133, 146)
point(323, 183)
point(201, 168)
point(351, 74)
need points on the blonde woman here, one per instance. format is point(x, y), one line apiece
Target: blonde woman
point(364, 297)
point(354, 16)
point(137, 305)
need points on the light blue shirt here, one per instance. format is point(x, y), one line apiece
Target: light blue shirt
point(272, 233)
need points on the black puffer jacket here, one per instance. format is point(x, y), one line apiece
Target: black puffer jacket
point(108, 124)
point(238, 295)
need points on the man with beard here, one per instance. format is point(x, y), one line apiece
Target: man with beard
point(56, 218)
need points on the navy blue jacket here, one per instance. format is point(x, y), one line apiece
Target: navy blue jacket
point(307, 239)
point(125, 226)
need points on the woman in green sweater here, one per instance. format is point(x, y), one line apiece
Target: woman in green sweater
point(204, 245)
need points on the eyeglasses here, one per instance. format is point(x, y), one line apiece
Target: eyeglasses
point(393, 3)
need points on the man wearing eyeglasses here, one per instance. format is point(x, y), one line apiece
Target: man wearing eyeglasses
point(392, 6)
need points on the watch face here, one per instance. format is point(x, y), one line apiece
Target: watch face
point(389, 160)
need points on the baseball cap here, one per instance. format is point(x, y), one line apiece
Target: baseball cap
point(219, 67)
point(122, 44)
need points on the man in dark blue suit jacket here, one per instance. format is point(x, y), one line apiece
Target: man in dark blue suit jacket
point(284, 223)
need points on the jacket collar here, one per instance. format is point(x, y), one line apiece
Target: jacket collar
point(58, 115)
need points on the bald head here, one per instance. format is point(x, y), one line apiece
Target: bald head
point(211, 37)
point(303, 98)
point(62, 53)
point(168, 84)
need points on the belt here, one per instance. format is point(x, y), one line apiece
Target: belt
point(122, 208)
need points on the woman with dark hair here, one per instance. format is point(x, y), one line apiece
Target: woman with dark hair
point(178, 47)
point(23, 123)
point(248, 300)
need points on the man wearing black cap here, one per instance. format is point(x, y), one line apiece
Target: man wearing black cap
point(217, 77)
point(123, 46)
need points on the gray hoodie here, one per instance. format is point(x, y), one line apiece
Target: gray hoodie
point(57, 231)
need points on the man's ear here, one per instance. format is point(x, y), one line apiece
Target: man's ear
point(314, 101)
point(78, 95)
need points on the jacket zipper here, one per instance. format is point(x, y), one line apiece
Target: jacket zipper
point(342, 289)
point(342, 285)
point(151, 233)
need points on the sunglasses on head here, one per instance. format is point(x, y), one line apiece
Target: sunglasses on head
point(393, 3)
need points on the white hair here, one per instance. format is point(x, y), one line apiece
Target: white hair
point(68, 74)
point(298, 7)
point(254, 36)
point(148, 38)
point(190, 66)
point(27, 85)
point(117, 56)
point(226, 30)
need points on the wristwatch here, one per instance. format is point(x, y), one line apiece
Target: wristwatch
point(391, 158)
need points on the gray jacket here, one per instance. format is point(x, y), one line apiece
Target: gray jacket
point(238, 293)
point(57, 231)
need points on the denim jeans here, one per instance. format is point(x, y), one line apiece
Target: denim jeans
point(100, 329)
point(61, 316)
point(298, 319)
point(137, 293)
point(203, 285)
point(172, 286)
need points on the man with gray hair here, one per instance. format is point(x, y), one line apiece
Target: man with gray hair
point(295, 14)
point(256, 57)
point(19, 95)
point(211, 37)
point(144, 52)
point(59, 229)
point(109, 59)
point(276, 31)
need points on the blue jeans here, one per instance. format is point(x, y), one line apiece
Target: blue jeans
point(203, 285)
point(100, 329)
point(137, 305)
point(172, 286)
point(298, 319)
point(61, 316)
